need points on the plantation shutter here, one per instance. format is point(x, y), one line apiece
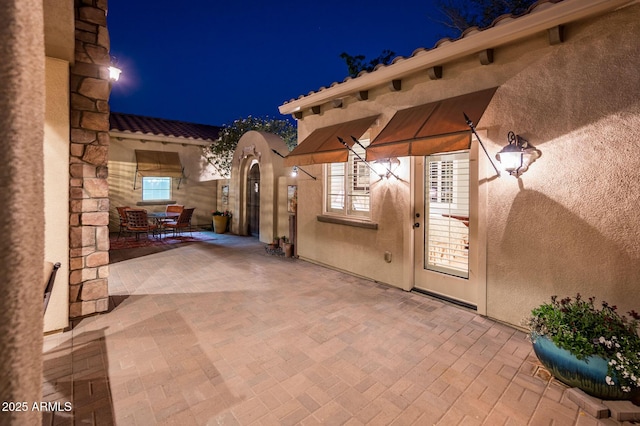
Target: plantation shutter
point(447, 204)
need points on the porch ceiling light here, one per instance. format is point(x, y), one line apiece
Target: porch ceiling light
point(517, 155)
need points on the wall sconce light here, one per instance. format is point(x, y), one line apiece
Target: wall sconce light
point(518, 155)
point(385, 167)
point(294, 171)
point(114, 71)
point(386, 170)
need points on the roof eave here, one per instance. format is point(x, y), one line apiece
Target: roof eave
point(505, 31)
point(159, 138)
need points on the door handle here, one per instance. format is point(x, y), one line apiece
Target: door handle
point(416, 225)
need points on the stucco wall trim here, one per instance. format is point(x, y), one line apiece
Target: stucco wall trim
point(145, 137)
point(347, 222)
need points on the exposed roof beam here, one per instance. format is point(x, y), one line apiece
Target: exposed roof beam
point(486, 56)
point(556, 35)
point(435, 73)
point(362, 95)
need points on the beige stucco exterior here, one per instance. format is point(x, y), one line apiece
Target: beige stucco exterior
point(569, 224)
point(59, 55)
point(56, 189)
point(257, 148)
point(197, 189)
point(22, 247)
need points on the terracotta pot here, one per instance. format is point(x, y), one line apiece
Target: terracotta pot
point(288, 250)
point(220, 224)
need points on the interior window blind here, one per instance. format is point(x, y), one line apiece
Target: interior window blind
point(347, 185)
point(360, 177)
point(447, 204)
point(335, 193)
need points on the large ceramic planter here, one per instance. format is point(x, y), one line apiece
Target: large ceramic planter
point(588, 374)
point(220, 224)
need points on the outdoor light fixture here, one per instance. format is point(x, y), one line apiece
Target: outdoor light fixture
point(385, 167)
point(517, 156)
point(294, 171)
point(114, 71)
point(381, 169)
point(473, 130)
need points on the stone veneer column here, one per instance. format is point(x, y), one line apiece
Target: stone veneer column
point(89, 192)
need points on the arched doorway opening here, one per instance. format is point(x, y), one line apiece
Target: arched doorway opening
point(253, 200)
point(259, 210)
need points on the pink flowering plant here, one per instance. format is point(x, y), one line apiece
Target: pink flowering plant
point(585, 330)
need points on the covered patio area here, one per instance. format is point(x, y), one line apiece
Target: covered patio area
point(220, 332)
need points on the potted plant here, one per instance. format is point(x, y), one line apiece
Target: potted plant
point(283, 240)
point(220, 221)
point(594, 349)
point(287, 247)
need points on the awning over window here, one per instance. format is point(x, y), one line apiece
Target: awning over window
point(431, 128)
point(323, 146)
point(158, 163)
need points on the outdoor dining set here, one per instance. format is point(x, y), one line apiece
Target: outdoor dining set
point(175, 218)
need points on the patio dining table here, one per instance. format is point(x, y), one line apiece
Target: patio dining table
point(161, 217)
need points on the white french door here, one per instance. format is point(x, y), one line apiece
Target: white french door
point(443, 226)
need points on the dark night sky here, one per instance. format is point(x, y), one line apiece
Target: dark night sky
point(209, 62)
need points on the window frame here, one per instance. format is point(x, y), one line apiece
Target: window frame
point(169, 189)
point(354, 178)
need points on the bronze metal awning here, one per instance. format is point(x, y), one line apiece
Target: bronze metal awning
point(430, 128)
point(323, 146)
point(158, 163)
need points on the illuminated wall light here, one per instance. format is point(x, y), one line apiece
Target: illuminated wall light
point(517, 156)
point(386, 167)
point(114, 70)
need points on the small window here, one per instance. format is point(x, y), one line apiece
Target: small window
point(347, 186)
point(156, 188)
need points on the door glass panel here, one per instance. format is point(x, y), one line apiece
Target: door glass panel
point(447, 219)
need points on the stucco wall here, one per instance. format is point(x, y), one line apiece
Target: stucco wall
point(56, 189)
point(198, 188)
point(566, 226)
point(358, 250)
point(22, 100)
point(256, 147)
point(571, 224)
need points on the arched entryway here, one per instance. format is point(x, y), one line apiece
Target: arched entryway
point(258, 187)
point(253, 200)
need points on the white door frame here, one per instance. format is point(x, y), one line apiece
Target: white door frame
point(479, 179)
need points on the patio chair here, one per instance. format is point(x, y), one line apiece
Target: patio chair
point(138, 223)
point(171, 208)
point(184, 221)
point(174, 208)
point(123, 220)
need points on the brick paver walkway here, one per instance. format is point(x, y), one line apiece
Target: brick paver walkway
point(222, 333)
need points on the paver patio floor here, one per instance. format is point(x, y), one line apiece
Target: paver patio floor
point(221, 333)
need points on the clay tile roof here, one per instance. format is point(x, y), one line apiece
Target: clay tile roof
point(444, 41)
point(162, 127)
